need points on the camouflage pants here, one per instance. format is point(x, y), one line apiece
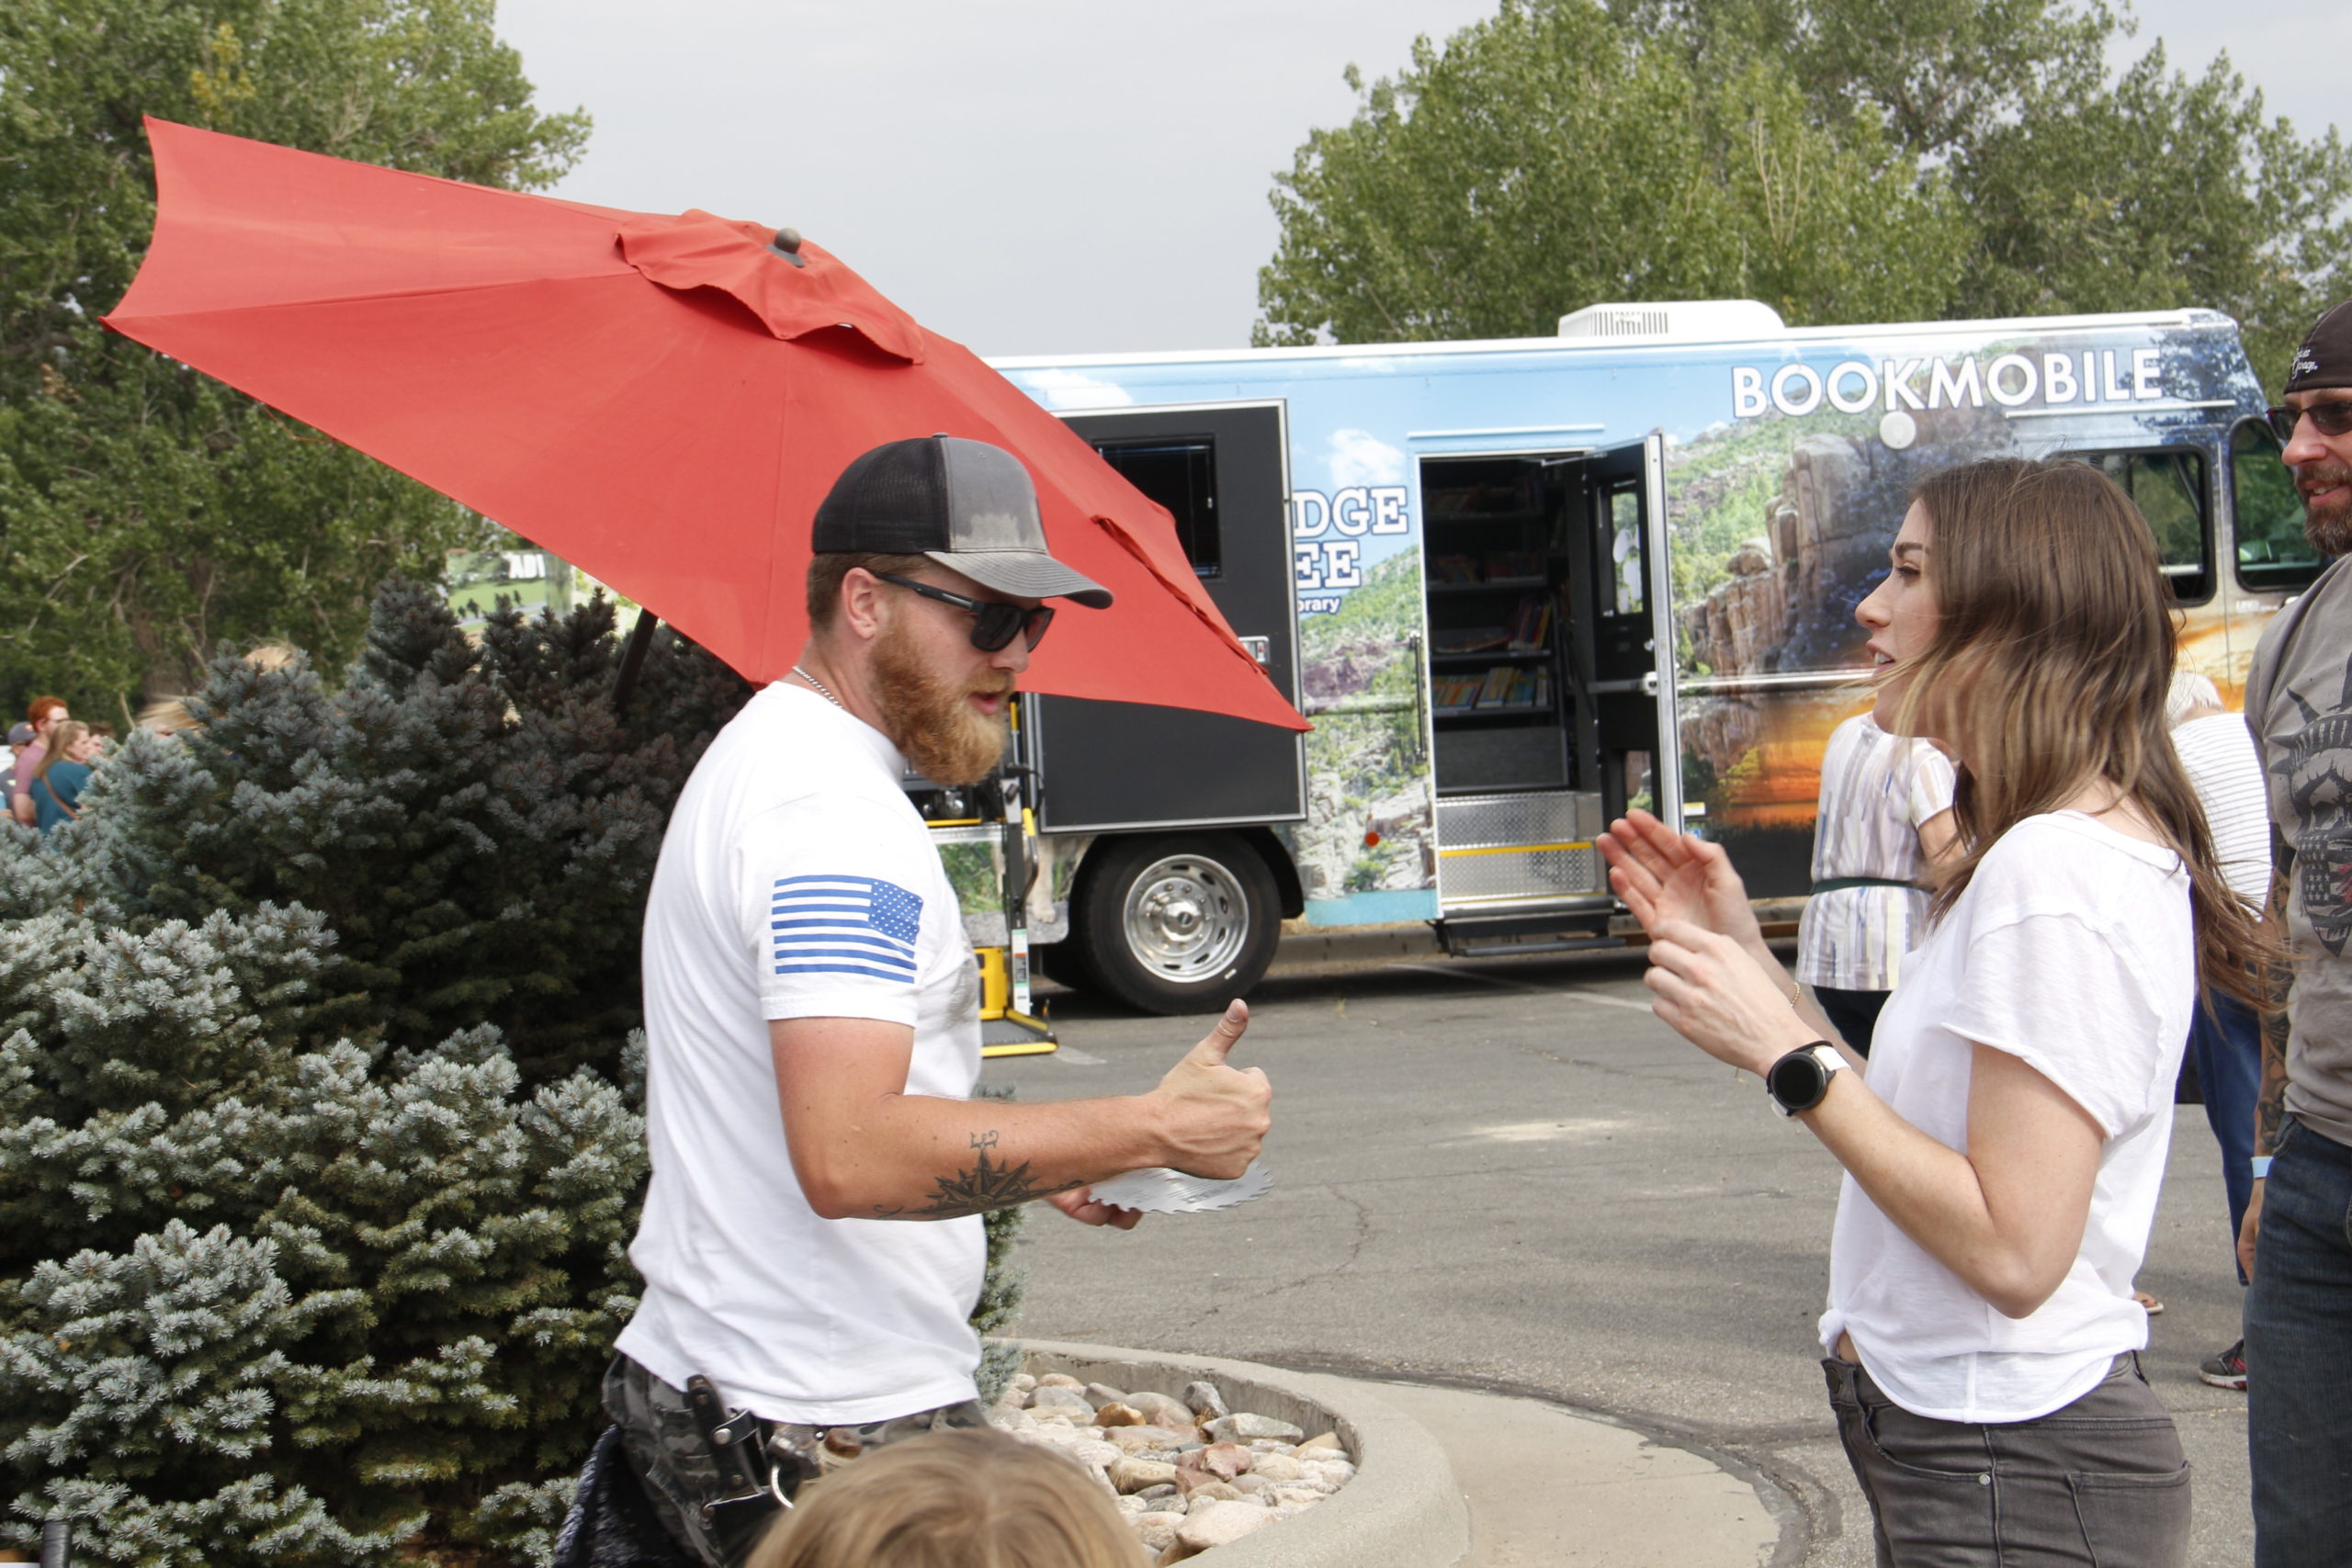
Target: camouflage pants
point(667, 1451)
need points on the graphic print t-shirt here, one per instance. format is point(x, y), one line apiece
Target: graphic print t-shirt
point(2298, 705)
point(796, 881)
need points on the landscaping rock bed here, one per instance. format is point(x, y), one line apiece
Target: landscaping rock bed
point(1189, 1471)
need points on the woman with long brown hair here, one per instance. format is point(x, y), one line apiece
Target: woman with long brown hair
point(57, 782)
point(2005, 1147)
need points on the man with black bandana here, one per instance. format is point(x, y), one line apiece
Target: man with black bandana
point(2298, 705)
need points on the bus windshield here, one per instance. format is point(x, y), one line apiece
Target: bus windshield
point(2272, 551)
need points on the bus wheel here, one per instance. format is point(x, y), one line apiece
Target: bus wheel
point(1176, 924)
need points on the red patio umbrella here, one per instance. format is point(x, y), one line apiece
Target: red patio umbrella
point(660, 401)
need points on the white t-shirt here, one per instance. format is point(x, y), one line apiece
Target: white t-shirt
point(2217, 752)
point(796, 881)
point(2071, 950)
point(1876, 790)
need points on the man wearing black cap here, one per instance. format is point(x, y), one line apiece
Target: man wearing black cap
point(812, 1025)
point(2299, 705)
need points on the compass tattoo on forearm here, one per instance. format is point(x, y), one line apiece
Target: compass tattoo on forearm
point(983, 1185)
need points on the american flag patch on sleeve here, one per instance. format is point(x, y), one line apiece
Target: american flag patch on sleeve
point(844, 925)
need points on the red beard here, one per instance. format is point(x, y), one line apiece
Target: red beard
point(931, 719)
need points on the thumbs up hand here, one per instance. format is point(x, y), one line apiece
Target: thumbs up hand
point(1212, 1116)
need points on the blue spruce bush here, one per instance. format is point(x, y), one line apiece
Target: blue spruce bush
point(318, 1140)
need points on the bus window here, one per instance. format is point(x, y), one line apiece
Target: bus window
point(1179, 474)
point(2272, 551)
point(2167, 484)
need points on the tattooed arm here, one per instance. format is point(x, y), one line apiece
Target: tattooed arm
point(864, 1148)
point(2270, 1105)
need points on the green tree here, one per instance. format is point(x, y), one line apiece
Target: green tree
point(1841, 159)
point(1942, 73)
point(2167, 190)
point(1550, 156)
point(150, 517)
point(2087, 190)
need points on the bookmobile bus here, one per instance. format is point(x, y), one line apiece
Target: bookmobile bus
point(1521, 585)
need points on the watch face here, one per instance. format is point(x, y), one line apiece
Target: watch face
point(1798, 1080)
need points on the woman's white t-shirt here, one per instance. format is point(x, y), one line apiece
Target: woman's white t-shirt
point(2071, 950)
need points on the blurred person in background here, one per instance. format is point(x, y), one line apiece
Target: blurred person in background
point(2225, 1035)
point(43, 714)
point(169, 716)
point(20, 740)
point(1885, 818)
point(62, 775)
point(166, 717)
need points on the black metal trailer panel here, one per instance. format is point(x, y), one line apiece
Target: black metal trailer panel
point(1220, 471)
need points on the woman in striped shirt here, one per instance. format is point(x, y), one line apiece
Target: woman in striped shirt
point(1885, 818)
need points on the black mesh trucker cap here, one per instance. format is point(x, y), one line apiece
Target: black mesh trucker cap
point(968, 505)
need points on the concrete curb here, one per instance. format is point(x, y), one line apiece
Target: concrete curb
point(1404, 1509)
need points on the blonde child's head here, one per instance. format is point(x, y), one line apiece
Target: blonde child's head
point(961, 1499)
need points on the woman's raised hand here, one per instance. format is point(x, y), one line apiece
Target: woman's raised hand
point(1663, 876)
point(1716, 996)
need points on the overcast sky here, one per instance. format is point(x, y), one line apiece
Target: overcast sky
point(1067, 176)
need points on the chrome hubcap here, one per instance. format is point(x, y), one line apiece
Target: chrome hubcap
point(1186, 918)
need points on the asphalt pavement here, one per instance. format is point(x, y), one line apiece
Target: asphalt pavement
point(1503, 1174)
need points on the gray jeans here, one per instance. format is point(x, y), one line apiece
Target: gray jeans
point(2101, 1482)
point(667, 1451)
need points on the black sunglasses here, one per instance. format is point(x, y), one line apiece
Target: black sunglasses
point(993, 621)
point(2329, 419)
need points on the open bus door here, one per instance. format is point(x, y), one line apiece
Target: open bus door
point(1633, 642)
point(1552, 672)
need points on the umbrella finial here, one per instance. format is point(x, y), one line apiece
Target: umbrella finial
point(787, 245)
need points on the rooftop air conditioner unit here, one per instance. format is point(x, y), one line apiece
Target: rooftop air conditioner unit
point(1674, 320)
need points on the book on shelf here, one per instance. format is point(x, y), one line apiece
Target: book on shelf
point(1500, 688)
point(1452, 694)
point(1453, 568)
point(1515, 687)
point(1531, 624)
point(1470, 639)
point(1506, 496)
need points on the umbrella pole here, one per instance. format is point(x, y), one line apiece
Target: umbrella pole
point(641, 641)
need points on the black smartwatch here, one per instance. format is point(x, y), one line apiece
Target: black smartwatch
point(1799, 1080)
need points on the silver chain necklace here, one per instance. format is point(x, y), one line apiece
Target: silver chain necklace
point(821, 689)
